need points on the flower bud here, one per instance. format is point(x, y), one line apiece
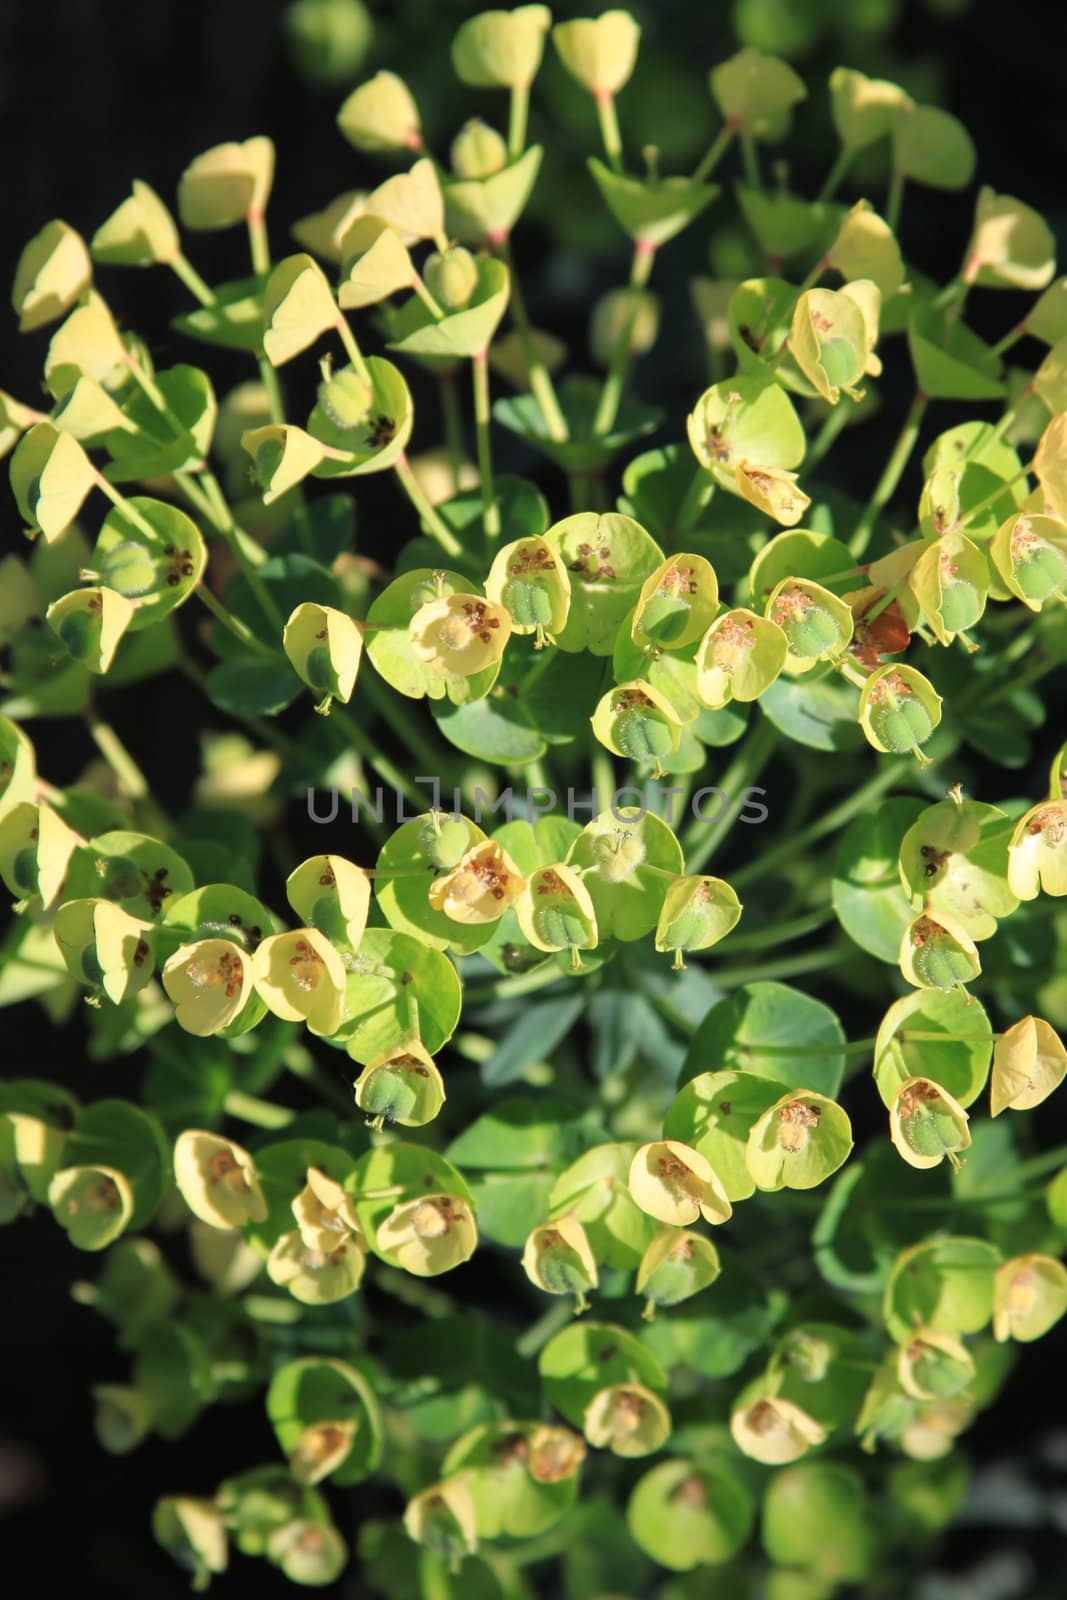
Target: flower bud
point(554, 1454)
point(218, 1180)
point(1037, 856)
point(934, 1366)
point(480, 888)
point(403, 1085)
point(331, 894)
point(798, 1141)
point(458, 635)
point(1030, 554)
point(104, 946)
point(317, 1277)
point(92, 1204)
point(310, 1553)
point(123, 1417)
point(773, 491)
point(696, 913)
point(608, 324)
point(210, 982)
point(676, 1265)
point(140, 233)
point(600, 52)
point(627, 1419)
point(676, 1185)
point(756, 94)
point(325, 1214)
point(739, 658)
point(429, 1234)
point(451, 277)
point(555, 911)
point(442, 1519)
point(530, 581)
point(557, 1258)
point(1029, 1297)
point(899, 709)
point(193, 1532)
point(636, 721)
point(774, 1431)
point(677, 603)
point(618, 854)
point(324, 647)
point(926, 1124)
point(381, 115)
point(226, 184)
point(1029, 1061)
point(478, 150)
point(35, 850)
point(936, 952)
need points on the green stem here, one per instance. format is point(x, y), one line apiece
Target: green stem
point(131, 779)
point(508, 988)
point(258, 243)
point(490, 509)
point(757, 749)
point(768, 971)
point(557, 1316)
point(716, 151)
point(380, 764)
point(894, 200)
point(864, 798)
point(991, 499)
point(824, 440)
point(894, 471)
point(435, 526)
point(247, 553)
point(782, 932)
point(609, 129)
point(275, 404)
point(260, 1113)
point(538, 375)
point(1011, 338)
point(750, 161)
point(184, 269)
point(835, 176)
point(452, 420)
point(518, 111)
point(352, 350)
point(697, 497)
point(603, 775)
point(234, 625)
point(611, 394)
point(395, 712)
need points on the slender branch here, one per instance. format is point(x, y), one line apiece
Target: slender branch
point(611, 394)
point(490, 509)
point(891, 476)
point(518, 111)
point(435, 525)
point(718, 148)
point(759, 746)
point(835, 177)
point(609, 129)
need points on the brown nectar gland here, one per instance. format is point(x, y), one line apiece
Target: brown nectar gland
point(795, 1122)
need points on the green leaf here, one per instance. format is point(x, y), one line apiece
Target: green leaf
point(819, 713)
point(773, 1031)
point(234, 320)
point(466, 333)
point(868, 898)
point(389, 969)
point(715, 1334)
point(531, 1038)
point(951, 362)
point(589, 1356)
point(910, 1044)
point(651, 210)
point(686, 1516)
point(584, 449)
point(252, 688)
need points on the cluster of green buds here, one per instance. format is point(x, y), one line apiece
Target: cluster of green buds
point(724, 593)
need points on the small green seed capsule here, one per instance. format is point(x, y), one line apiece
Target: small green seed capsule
point(899, 709)
point(345, 397)
point(1030, 554)
point(556, 911)
point(677, 603)
point(926, 1124)
point(531, 582)
point(478, 150)
point(676, 1265)
point(451, 277)
point(332, 895)
point(950, 581)
point(937, 953)
point(403, 1085)
point(636, 721)
point(816, 623)
point(697, 912)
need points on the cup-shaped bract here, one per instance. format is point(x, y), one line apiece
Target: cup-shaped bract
point(1037, 857)
point(139, 233)
point(427, 1235)
point(676, 1266)
point(932, 147)
point(926, 1124)
point(322, 232)
point(122, 1418)
point(600, 52)
point(676, 1184)
point(1011, 245)
point(950, 581)
point(480, 887)
point(375, 263)
point(529, 580)
point(18, 766)
point(628, 1419)
point(1047, 318)
point(745, 419)
point(84, 408)
point(317, 1277)
point(459, 635)
point(865, 247)
point(88, 342)
point(282, 456)
point(194, 1533)
point(402, 1085)
point(933, 1366)
point(50, 477)
point(53, 270)
point(320, 1449)
point(325, 1213)
point(819, 1524)
point(773, 491)
point(1030, 554)
point(954, 858)
point(676, 604)
point(636, 721)
point(411, 203)
point(817, 624)
point(104, 946)
point(331, 894)
point(442, 1519)
point(740, 656)
point(152, 553)
point(324, 647)
point(209, 981)
point(501, 49)
point(829, 341)
point(651, 211)
point(774, 1431)
point(556, 912)
point(937, 952)
point(798, 1142)
point(1029, 1061)
point(298, 308)
point(1029, 1297)
point(300, 977)
point(309, 1552)
point(217, 1179)
point(1049, 382)
point(478, 150)
point(91, 623)
point(863, 108)
point(227, 184)
point(608, 558)
point(93, 1204)
point(381, 115)
point(899, 709)
point(36, 847)
point(756, 94)
point(697, 912)
point(557, 1257)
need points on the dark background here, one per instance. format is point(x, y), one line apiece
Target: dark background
point(95, 92)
